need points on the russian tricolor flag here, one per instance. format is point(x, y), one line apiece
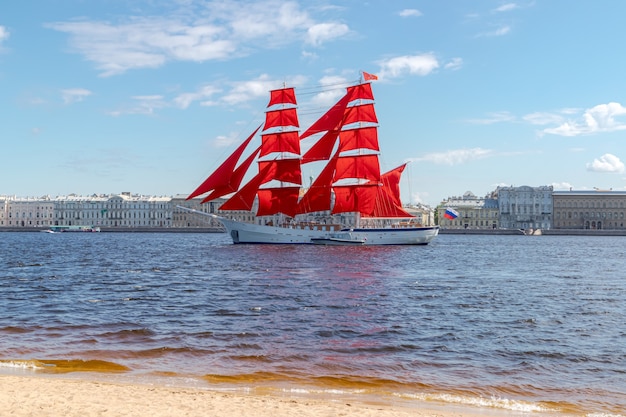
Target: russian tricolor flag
point(450, 214)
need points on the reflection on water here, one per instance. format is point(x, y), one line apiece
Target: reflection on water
point(523, 323)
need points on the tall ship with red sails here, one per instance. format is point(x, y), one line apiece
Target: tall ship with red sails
point(349, 203)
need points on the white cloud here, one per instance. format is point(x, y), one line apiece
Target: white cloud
point(74, 95)
point(309, 56)
point(496, 117)
point(598, 119)
point(562, 185)
point(454, 64)
point(398, 66)
point(323, 32)
point(606, 163)
point(142, 105)
point(243, 91)
point(218, 31)
point(410, 13)
point(542, 118)
point(420, 197)
point(269, 20)
point(184, 100)
point(226, 141)
point(500, 31)
point(506, 7)
point(328, 96)
point(4, 34)
point(145, 43)
point(456, 157)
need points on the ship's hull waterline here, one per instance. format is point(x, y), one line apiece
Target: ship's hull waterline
point(260, 234)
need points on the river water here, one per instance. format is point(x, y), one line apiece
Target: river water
point(523, 324)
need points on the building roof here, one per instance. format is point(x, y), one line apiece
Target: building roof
point(594, 193)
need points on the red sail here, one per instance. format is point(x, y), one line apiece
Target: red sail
point(391, 183)
point(221, 176)
point(279, 138)
point(281, 118)
point(317, 197)
point(278, 200)
point(360, 92)
point(243, 199)
point(284, 170)
point(358, 166)
point(360, 199)
point(388, 202)
point(357, 197)
point(330, 120)
point(322, 149)
point(385, 206)
point(280, 142)
point(360, 113)
point(282, 96)
point(364, 138)
point(235, 179)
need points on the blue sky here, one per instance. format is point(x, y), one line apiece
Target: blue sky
point(149, 96)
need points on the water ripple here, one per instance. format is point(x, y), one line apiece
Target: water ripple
point(511, 321)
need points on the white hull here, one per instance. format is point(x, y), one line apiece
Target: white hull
point(251, 233)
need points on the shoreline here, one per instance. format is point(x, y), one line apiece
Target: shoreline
point(27, 395)
point(123, 229)
point(88, 377)
point(547, 232)
point(459, 231)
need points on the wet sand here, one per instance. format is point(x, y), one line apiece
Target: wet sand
point(44, 396)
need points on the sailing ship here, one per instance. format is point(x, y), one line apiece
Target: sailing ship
point(349, 203)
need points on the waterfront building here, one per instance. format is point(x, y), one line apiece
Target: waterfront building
point(184, 218)
point(118, 210)
point(474, 212)
point(126, 210)
point(4, 211)
point(424, 215)
point(590, 209)
point(26, 211)
point(525, 207)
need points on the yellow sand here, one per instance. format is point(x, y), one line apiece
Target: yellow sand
point(45, 396)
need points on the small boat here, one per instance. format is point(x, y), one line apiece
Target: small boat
point(350, 192)
point(73, 229)
point(344, 239)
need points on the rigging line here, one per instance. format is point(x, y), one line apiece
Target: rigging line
point(234, 142)
point(408, 165)
point(312, 110)
point(325, 87)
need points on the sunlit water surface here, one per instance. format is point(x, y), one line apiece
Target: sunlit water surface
point(528, 324)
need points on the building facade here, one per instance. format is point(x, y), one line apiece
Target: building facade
point(594, 210)
point(474, 212)
point(118, 210)
point(26, 212)
point(184, 218)
point(507, 207)
point(124, 210)
point(525, 207)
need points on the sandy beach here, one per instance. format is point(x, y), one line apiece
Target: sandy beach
point(42, 396)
